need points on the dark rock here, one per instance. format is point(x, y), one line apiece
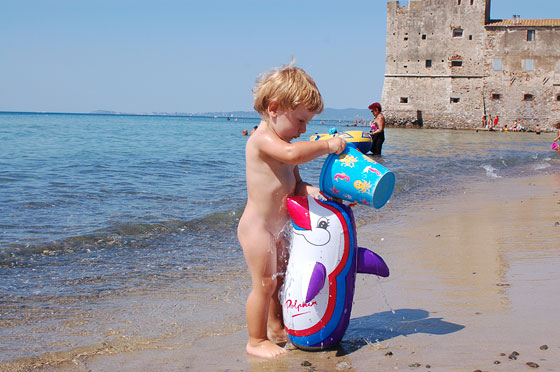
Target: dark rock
point(415, 365)
point(512, 356)
point(544, 347)
point(306, 363)
point(497, 362)
point(532, 364)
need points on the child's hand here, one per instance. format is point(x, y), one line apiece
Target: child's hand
point(336, 145)
point(316, 193)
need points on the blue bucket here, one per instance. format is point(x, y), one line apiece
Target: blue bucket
point(355, 177)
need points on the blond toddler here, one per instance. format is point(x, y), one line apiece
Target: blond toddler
point(287, 99)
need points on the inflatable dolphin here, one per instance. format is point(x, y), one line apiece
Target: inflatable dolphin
point(321, 273)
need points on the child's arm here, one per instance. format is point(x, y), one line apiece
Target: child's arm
point(300, 152)
point(303, 188)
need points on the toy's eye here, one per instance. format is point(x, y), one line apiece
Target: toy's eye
point(323, 223)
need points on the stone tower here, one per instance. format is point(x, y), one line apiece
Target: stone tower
point(448, 65)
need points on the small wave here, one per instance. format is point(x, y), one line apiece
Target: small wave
point(541, 166)
point(133, 233)
point(490, 171)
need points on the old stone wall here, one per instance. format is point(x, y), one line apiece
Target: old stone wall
point(527, 86)
point(441, 71)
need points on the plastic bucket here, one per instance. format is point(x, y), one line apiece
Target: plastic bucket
point(355, 177)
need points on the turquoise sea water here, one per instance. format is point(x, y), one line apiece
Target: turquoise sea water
point(95, 209)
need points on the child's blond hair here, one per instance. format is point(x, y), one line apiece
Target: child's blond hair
point(289, 87)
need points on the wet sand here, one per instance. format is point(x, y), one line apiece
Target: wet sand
point(474, 278)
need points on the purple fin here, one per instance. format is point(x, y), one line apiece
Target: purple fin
point(371, 263)
point(316, 282)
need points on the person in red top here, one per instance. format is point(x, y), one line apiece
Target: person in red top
point(377, 128)
point(496, 122)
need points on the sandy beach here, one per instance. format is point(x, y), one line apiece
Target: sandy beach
point(473, 286)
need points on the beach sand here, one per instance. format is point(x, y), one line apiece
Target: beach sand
point(474, 278)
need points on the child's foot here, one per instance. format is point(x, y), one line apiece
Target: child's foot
point(265, 349)
point(279, 337)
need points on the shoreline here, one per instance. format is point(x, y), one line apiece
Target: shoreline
point(473, 276)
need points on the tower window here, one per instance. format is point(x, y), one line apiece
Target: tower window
point(454, 99)
point(558, 97)
point(496, 96)
point(458, 32)
point(497, 64)
point(424, 36)
point(404, 99)
point(458, 2)
point(428, 63)
point(456, 63)
point(528, 97)
point(530, 35)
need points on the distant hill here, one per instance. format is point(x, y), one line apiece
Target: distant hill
point(327, 114)
point(348, 114)
point(344, 114)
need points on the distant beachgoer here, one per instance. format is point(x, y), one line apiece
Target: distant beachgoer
point(538, 129)
point(483, 121)
point(377, 128)
point(245, 132)
point(496, 121)
point(254, 129)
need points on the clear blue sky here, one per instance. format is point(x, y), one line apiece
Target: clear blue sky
point(193, 56)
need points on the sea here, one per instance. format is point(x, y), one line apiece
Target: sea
point(118, 232)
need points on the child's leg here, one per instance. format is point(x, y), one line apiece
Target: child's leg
point(260, 254)
point(276, 329)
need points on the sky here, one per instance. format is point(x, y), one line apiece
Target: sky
point(189, 56)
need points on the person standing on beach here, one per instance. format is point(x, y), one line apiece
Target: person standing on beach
point(377, 128)
point(287, 98)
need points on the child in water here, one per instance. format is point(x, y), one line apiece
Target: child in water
point(287, 98)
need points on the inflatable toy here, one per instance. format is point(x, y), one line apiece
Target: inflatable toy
point(357, 178)
point(361, 140)
point(324, 260)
